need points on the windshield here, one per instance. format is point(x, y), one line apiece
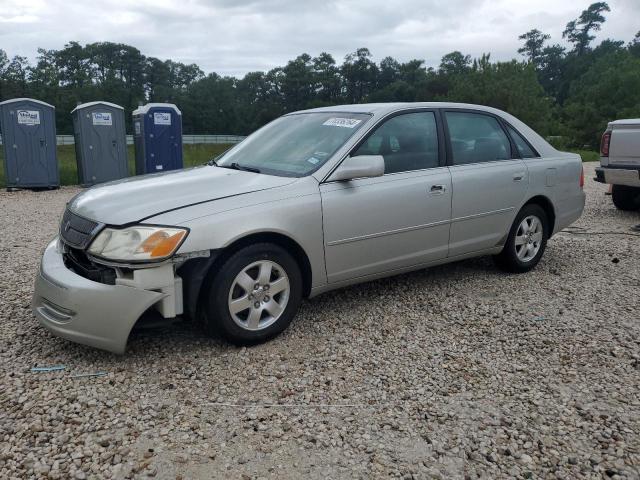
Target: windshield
point(294, 145)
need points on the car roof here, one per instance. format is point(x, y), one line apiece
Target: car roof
point(384, 108)
point(381, 109)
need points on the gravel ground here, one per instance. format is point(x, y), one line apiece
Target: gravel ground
point(452, 372)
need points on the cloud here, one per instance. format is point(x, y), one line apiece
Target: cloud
point(232, 37)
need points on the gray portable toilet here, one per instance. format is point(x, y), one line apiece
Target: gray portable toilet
point(157, 137)
point(28, 130)
point(101, 142)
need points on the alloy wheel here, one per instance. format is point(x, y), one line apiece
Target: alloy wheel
point(259, 295)
point(528, 238)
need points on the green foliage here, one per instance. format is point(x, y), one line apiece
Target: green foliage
point(455, 63)
point(587, 155)
point(567, 94)
point(578, 32)
point(609, 89)
point(510, 86)
point(533, 44)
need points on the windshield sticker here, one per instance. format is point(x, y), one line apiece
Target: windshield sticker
point(342, 122)
point(313, 160)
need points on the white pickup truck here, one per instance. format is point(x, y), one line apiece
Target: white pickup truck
point(620, 162)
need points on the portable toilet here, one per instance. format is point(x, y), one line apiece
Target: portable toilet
point(101, 142)
point(157, 136)
point(28, 129)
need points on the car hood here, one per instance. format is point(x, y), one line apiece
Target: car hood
point(137, 198)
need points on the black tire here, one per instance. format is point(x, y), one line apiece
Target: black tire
point(216, 315)
point(508, 259)
point(625, 198)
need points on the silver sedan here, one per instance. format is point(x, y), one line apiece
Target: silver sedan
point(313, 201)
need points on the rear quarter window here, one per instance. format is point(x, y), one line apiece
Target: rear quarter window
point(523, 147)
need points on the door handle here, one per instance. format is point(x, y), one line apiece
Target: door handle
point(518, 176)
point(437, 189)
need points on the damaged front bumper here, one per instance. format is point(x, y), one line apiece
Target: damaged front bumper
point(97, 314)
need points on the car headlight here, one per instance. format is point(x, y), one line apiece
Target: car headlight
point(139, 243)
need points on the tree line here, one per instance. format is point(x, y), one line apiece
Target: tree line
point(563, 92)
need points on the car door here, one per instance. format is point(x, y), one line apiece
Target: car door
point(489, 180)
point(375, 225)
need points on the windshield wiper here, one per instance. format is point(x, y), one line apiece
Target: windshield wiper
point(237, 166)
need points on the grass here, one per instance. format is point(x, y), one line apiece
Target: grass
point(587, 155)
point(192, 155)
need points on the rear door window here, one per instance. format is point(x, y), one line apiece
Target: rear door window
point(476, 138)
point(407, 142)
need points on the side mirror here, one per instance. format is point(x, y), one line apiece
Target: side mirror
point(362, 166)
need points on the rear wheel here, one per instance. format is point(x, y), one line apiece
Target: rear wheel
point(526, 242)
point(254, 295)
point(625, 197)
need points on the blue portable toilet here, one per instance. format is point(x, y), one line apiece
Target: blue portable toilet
point(157, 137)
point(28, 129)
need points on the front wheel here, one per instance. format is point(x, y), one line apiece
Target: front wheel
point(254, 295)
point(526, 242)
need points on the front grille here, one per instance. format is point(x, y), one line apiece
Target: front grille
point(77, 231)
point(77, 261)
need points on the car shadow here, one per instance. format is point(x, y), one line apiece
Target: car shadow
point(152, 329)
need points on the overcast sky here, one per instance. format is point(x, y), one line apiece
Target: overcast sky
point(232, 37)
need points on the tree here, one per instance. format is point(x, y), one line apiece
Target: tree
point(634, 46)
point(551, 63)
point(359, 73)
point(608, 90)
point(209, 105)
point(578, 32)
point(388, 72)
point(533, 45)
point(44, 84)
point(413, 72)
point(574, 93)
point(75, 67)
point(257, 102)
point(510, 86)
point(157, 81)
point(327, 78)
point(298, 85)
point(455, 63)
point(4, 61)
point(15, 77)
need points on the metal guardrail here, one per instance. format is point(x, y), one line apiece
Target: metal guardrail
point(186, 139)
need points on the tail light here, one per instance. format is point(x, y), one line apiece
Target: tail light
point(581, 177)
point(604, 143)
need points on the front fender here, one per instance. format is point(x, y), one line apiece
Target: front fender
point(297, 216)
